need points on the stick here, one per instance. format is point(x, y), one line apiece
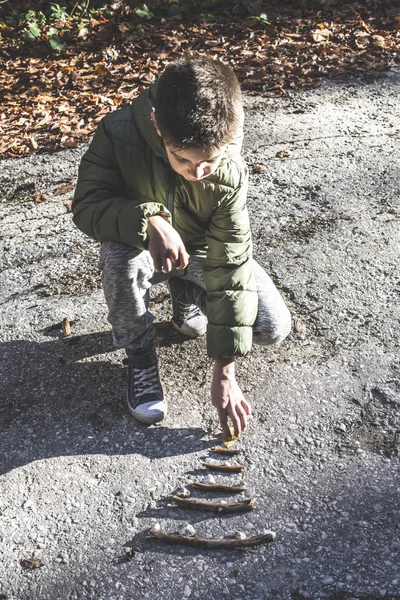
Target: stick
point(227, 451)
point(219, 487)
point(195, 542)
point(226, 468)
point(219, 507)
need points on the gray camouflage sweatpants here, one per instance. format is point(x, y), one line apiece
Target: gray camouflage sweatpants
point(128, 273)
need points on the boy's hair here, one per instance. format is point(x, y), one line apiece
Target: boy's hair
point(198, 103)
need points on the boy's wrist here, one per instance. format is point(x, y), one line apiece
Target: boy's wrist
point(225, 367)
point(157, 218)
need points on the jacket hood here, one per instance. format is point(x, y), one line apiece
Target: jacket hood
point(141, 108)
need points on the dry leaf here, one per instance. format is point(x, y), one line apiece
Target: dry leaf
point(320, 35)
point(379, 41)
point(233, 440)
point(282, 154)
point(66, 327)
point(64, 189)
point(33, 143)
point(39, 198)
point(69, 142)
point(32, 563)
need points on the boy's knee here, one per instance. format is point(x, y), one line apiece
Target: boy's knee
point(276, 333)
point(117, 259)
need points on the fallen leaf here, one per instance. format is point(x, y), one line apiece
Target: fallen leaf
point(66, 327)
point(32, 563)
point(69, 142)
point(320, 35)
point(33, 143)
point(379, 41)
point(282, 154)
point(39, 198)
point(362, 41)
point(64, 189)
point(233, 440)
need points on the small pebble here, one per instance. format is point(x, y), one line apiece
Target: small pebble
point(240, 535)
point(342, 427)
point(187, 530)
point(156, 528)
point(182, 492)
point(209, 479)
point(327, 581)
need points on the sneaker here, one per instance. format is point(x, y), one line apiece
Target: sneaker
point(187, 318)
point(145, 395)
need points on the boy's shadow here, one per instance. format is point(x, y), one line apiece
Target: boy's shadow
point(58, 399)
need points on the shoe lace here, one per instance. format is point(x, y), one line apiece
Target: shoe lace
point(187, 311)
point(146, 379)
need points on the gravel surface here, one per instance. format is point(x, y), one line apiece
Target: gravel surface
point(81, 482)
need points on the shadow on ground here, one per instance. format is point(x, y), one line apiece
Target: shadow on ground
point(60, 399)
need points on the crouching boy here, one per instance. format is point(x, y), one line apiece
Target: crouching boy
point(163, 187)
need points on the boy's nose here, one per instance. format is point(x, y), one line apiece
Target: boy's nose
point(198, 172)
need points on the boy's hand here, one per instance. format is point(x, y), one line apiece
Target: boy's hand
point(227, 397)
point(165, 245)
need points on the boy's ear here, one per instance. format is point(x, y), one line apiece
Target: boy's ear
point(153, 118)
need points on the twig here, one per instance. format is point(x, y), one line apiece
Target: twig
point(219, 507)
point(73, 10)
point(219, 487)
point(227, 451)
point(226, 468)
point(195, 542)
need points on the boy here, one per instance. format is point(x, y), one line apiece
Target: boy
point(163, 187)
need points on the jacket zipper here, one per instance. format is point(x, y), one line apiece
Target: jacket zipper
point(171, 195)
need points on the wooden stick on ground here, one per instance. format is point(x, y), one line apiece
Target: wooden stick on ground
point(195, 542)
point(219, 507)
point(227, 451)
point(219, 487)
point(226, 468)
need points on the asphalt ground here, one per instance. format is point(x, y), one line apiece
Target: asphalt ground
point(81, 482)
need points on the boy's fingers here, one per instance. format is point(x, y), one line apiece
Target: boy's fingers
point(236, 421)
point(157, 265)
point(223, 419)
point(166, 265)
point(183, 259)
point(246, 407)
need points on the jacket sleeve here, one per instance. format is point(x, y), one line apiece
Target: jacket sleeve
point(101, 207)
point(232, 299)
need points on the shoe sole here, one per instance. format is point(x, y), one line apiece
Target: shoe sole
point(190, 335)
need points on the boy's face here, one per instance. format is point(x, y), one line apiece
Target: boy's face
point(193, 164)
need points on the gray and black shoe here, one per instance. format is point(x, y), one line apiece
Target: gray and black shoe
point(145, 395)
point(187, 318)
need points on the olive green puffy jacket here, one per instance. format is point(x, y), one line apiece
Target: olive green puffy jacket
point(125, 177)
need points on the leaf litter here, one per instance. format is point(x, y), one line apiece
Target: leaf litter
point(50, 101)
